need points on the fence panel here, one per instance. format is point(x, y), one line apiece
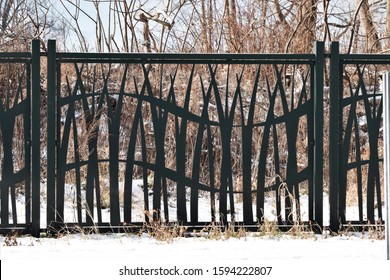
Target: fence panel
point(15, 140)
point(193, 139)
point(357, 125)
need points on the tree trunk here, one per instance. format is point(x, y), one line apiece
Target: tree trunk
point(309, 26)
point(279, 14)
point(231, 15)
point(263, 29)
point(205, 27)
point(146, 33)
point(5, 14)
point(281, 27)
point(373, 44)
point(210, 26)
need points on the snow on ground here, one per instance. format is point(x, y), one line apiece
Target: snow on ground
point(102, 256)
point(78, 256)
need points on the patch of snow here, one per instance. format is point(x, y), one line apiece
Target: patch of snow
point(362, 120)
point(101, 256)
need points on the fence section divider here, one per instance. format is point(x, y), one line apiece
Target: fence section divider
point(51, 132)
point(35, 135)
point(334, 137)
point(318, 133)
point(386, 138)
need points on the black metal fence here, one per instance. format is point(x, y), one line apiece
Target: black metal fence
point(19, 139)
point(194, 139)
point(356, 137)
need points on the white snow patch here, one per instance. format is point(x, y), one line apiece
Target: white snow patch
point(101, 256)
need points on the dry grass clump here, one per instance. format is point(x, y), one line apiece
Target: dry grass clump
point(376, 231)
point(298, 230)
point(11, 240)
point(65, 230)
point(370, 231)
point(269, 229)
point(216, 231)
point(162, 231)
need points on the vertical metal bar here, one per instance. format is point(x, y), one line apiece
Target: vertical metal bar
point(58, 140)
point(211, 171)
point(334, 136)
point(386, 124)
point(318, 132)
point(7, 165)
point(340, 110)
point(51, 131)
point(311, 141)
point(27, 143)
point(35, 137)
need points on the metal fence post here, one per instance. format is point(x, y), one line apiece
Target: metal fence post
point(51, 132)
point(334, 112)
point(35, 137)
point(318, 132)
point(386, 123)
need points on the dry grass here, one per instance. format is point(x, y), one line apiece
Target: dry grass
point(11, 240)
point(373, 232)
point(162, 231)
point(216, 231)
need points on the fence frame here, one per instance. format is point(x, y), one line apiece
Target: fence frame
point(336, 141)
point(55, 59)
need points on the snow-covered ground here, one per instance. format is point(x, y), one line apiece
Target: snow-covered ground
point(102, 256)
point(78, 256)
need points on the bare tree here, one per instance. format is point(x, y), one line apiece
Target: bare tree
point(201, 26)
point(23, 20)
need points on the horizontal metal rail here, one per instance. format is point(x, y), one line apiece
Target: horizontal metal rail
point(184, 61)
point(14, 60)
point(180, 56)
point(197, 58)
point(15, 55)
point(379, 59)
